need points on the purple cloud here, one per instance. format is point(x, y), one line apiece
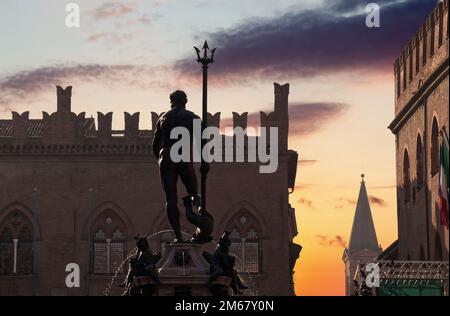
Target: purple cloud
point(25, 85)
point(377, 201)
point(304, 118)
point(315, 42)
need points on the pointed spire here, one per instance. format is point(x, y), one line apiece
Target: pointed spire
point(363, 234)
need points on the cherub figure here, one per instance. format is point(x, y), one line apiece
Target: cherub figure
point(143, 263)
point(222, 264)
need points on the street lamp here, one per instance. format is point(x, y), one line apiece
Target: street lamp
point(205, 61)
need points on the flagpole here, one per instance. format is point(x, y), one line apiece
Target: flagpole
point(443, 133)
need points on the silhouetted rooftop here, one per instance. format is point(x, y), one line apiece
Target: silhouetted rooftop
point(363, 234)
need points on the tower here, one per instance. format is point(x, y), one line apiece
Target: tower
point(363, 246)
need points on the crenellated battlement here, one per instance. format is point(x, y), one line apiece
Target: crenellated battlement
point(64, 132)
point(424, 53)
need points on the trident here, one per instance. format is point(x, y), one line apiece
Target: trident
point(205, 60)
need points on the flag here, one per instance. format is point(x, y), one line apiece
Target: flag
point(444, 179)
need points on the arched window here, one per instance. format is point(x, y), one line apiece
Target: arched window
point(16, 245)
point(434, 148)
point(406, 178)
point(420, 163)
point(245, 242)
point(108, 236)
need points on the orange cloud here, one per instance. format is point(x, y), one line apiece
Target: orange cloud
point(307, 203)
point(336, 241)
point(307, 161)
point(372, 199)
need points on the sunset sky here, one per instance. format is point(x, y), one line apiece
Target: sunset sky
point(129, 55)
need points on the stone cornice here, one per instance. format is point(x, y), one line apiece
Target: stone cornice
point(416, 100)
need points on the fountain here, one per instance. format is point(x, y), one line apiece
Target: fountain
point(184, 268)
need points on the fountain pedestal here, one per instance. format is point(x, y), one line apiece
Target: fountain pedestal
point(183, 271)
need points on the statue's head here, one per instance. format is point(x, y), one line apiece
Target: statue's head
point(178, 98)
point(225, 241)
point(142, 243)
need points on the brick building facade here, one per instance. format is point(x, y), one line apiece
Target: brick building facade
point(421, 112)
point(73, 191)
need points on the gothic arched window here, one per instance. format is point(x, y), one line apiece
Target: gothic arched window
point(420, 163)
point(16, 245)
point(406, 177)
point(434, 147)
point(245, 243)
point(108, 236)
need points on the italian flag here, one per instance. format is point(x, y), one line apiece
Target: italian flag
point(444, 179)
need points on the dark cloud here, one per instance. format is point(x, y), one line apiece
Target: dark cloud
point(314, 42)
point(372, 199)
point(336, 241)
point(304, 118)
point(377, 201)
